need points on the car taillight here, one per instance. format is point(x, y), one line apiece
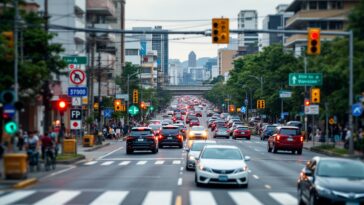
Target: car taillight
point(180, 137)
point(278, 137)
point(301, 138)
point(160, 137)
point(129, 138)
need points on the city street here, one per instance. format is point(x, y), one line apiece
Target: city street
point(146, 178)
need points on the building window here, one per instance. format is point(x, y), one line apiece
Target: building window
point(304, 5)
point(322, 5)
point(248, 18)
point(336, 25)
point(313, 5)
point(131, 52)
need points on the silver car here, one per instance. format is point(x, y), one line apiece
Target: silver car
point(194, 152)
point(221, 164)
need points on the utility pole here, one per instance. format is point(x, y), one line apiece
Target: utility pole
point(99, 93)
point(305, 116)
point(46, 91)
point(91, 70)
point(16, 85)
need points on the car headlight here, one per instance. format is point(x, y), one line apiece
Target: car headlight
point(323, 190)
point(206, 169)
point(204, 134)
point(243, 169)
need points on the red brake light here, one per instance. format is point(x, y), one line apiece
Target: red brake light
point(140, 129)
point(278, 137)
point(301, 138)
point(129, 138)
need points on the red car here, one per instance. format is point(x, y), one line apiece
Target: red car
point(286, 138)
point(241, 132)
point(194, 122)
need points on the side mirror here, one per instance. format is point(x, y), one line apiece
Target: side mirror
point(247, 158)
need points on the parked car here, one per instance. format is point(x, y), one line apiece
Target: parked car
point(241, 132)
point(328, 181)
point(141, 138)
point(286, 138)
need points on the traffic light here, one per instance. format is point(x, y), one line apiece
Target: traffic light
point(7, 97)
point(231, 108)
point(135, 96)
point(315, 95)
point(260, 104)
point(61, 106)
point(143, 106)
point(117, 105)
point(151, 108)
point(220, 30)
point(9, 36)
point(313, 41)
point(307, 102)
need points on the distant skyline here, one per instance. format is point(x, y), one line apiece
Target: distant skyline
point(192, 15)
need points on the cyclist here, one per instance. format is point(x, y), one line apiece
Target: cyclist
point(32, 148)
point(48, 147)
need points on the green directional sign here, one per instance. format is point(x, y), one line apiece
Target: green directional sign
point(305, 79)
point(133, 110)
point(75, 59)
point(11, 128)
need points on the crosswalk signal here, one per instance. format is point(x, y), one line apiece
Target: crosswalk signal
point(220, 31)
point(135, 96)
point(117, 105)
point(315, 95)
point(313, 41)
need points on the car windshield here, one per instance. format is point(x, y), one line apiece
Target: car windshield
point(287, 131)
point(221, 153)
point(222, 128)
point(341, 169)
point(197, 128)
point(271, 128)
point(197, 146)
point(170, 130)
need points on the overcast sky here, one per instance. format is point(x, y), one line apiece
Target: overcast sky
point(192, 15)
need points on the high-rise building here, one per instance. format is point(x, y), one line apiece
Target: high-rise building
point(225, 60)
point(192, 59)
point(248, 19)
point(160, 44)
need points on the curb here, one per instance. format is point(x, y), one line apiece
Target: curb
point(72, 161)
point(332, 154)
point(25, 183)
point(97, 147)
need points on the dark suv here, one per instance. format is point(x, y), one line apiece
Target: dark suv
point(141, 138)
point(190, 117)
point(170, 136)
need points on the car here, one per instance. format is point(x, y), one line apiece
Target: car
point(330, 180)
point(170, 136)
point(197, 132)
point(167, 122)
point(141, 138)
point(154, 121)
point(241, 132)
point(177, 116)
point(190, 117)
point(183, 129)
point(236, 123)
point(194, 152)
point(286, 138)
point(222, 132)
point(295, 124)
point(267, 131)
point(198, 113)
point(156, 128)
point(194, 122)
point(221, 164)
point(217, 124)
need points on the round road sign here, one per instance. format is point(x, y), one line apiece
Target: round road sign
point(77, 77)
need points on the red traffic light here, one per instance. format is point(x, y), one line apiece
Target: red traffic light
point(315, 35)
point(307, 102)
point(61, 105)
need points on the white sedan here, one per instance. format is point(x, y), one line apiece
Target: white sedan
point(221, 164)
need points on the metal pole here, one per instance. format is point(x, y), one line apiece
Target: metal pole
point(99, 94)
point(16, 85)
point(127, 105)
point(351, 81)
point(305, 116)
point(326, 123)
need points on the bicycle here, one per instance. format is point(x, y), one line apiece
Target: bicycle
point(50, 159)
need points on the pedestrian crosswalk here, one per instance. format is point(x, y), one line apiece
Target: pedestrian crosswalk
point(131, 162)
point(160, 197)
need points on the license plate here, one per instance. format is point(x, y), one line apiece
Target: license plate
point(223, 178)
point(169, 138)
point(289, 139)
point(140, 140)
point(243, 133)
point(352, 203)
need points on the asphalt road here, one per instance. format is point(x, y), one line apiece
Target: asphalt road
point(150, 179)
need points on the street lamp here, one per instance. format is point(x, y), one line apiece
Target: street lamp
point(129, 76)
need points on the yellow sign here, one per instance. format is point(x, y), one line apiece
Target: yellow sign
point(331, 121)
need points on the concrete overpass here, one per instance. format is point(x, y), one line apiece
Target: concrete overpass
point(187, 89)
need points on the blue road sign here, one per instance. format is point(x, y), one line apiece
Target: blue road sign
point(77, 91)
point(9, 110)
point(108, 112)
point(243, 109)
point(357, 109)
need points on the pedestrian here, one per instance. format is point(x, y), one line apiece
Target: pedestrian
point(318, 134)
point(20, 143)
point(347, 138)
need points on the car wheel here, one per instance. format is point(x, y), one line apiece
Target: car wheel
point(198, 184)
point(129, 151)
point(248, 138)
point(299, 152)
point(293, 151)
point(275, 150)
point(269, 149)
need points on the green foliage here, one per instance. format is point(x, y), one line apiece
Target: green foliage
point(217, 79)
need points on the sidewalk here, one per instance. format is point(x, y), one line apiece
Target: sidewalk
point(313, 146)
point(32, 177)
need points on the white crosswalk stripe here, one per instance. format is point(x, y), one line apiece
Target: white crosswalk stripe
point(91, 163)
point(58, 198)
point(241, 198)
point(107, 163)
point(201, 197)
point(158, 197)
point(15, 196)
point(284, 198)
point(110, 198)
point(141, 162)
point(124, 163)
point(176, 161)
point(159, 162)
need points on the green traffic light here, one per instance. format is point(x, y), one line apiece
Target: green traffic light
point(151, 108)
point(11, 128)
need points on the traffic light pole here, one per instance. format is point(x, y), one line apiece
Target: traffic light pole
point(128, 102)
point(16, 85)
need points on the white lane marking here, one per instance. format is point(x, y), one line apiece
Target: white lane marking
point(176, 161)
point(179, 183)
point(107, 163)
point(90, 163)
point(15, 196)
point(202, 197)
point(284, 198)
point(60, 172)
point(110, 198)
point(159, 162)
point(110, 153)
point(182, 168)
point(241, 198)
point(257, 150)
point(138, 159)
point(267, 186)
point(61, 197)
point(255, 176)
point(124, 163)
point(249, 170)
point(141, 162)
point(158, 197)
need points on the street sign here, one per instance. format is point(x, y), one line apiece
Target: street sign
point(76, 101)
point(305, 79)
point(133, 110)
point(77, 77)
point(357, 110)
point(77, 66)
point(76, 114)
point(122, 96)
point(108, 112)
point(75, 59)
point(312, 110)
point(285, 94)
point(77, 91)
point(11, 127)
point(243, 109)
point(9, 110)
point(76, 124)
